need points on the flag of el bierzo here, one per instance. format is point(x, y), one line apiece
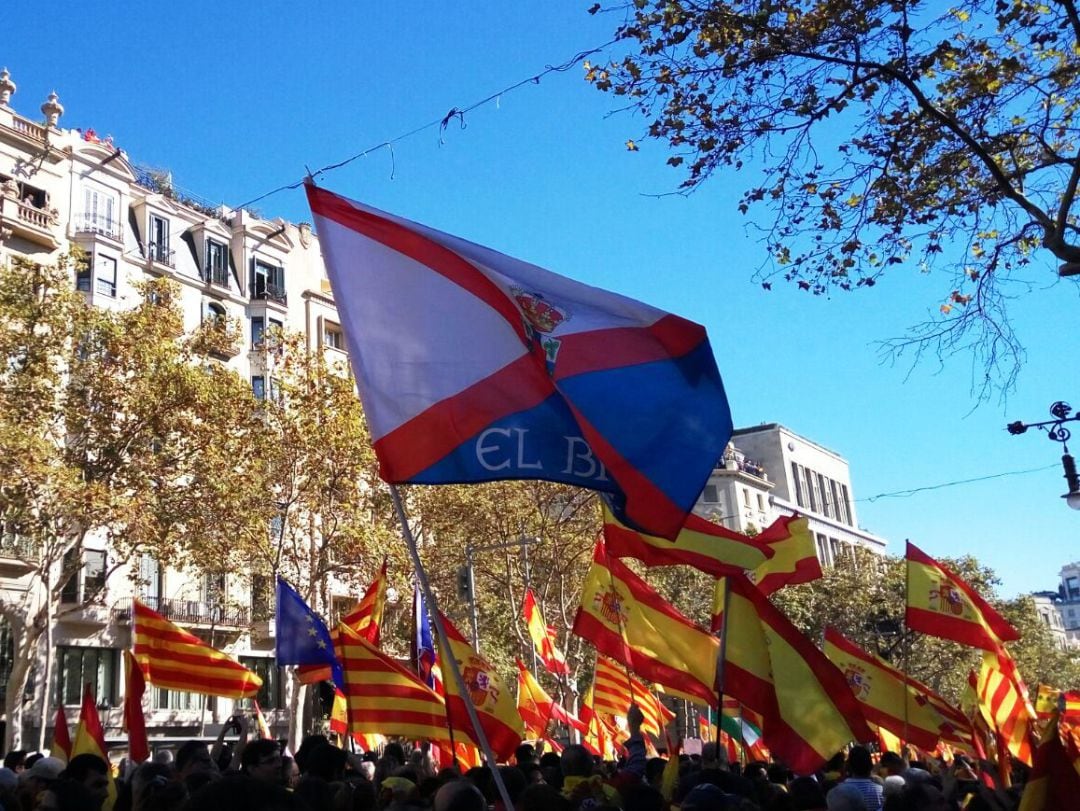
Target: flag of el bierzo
point(474, 366)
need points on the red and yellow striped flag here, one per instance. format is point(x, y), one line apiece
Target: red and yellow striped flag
point(1004, 704)
point(626, 620)
point(542, 638)
point(1055, 778)
point(702, 544)
point(365, 619)
point(941, 604)
point(494, 704)
point(794, 557)
point(175, 659)
point(61, 736)
point(888, 698)
point(808, 710)
point(600, 738)
point(538, 709)
point(134, 718)
point(614, 690)
point(384, 697)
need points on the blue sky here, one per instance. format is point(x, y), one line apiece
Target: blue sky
point(236, 104)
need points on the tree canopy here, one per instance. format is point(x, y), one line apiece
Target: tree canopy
point(879, 135)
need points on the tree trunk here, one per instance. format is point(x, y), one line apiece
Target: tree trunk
point(22, 647)
point(295, 691)
point(46, 678)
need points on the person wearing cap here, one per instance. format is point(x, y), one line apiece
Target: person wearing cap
point(37, 778)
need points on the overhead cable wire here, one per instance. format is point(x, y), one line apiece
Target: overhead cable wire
point(914, 490)
point(455, 113)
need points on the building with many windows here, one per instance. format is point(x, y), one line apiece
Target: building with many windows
point(61, 188)
point(769, 471)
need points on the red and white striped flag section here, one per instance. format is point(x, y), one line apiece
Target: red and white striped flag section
point(808, 709)
point(542, 638)
point(90, 739)
point(538, 709)
point(175, 659)
point(614, 690)
point(134, 718)
point(365, 619)
point(61, 736)
point(1004, 705)
point(494, 704)
point(1055, 778)
point(384, 697)
point(941, 604)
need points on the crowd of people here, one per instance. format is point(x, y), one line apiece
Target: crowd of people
point(259, 776)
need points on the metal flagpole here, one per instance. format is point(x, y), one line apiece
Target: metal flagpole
point(721, 659)
point(444, 644)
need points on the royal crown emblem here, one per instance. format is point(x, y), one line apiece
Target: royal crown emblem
point(482, 692)
point(858, 681)
point(946, 599)
point(609, 605)
point(540, 314)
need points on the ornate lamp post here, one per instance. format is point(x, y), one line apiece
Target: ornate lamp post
point(1057, 431)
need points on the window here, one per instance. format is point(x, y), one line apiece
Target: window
point(84, 275)
point(261, 595)
point(159, 240)
point(77, 666)
point(271, 695)
point(796, 477)
point(711, 494)
point(100, 212)
point(217, 263)
point(213, 588)
point(823, 550)
point(105, 275)
point(151, 580)
point(840, 507)
point(173, 700)
point(760, 502)
point(84, 576)
point(811, 496)
point(258, 328)
point(258, 387)
point(746, 497)
point(847, 505)
point(333, 336)
point(215, 312)
point(267, 281)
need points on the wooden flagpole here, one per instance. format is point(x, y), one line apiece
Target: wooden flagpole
point(721, 659)
point(444, 645)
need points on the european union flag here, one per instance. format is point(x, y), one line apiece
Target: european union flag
point(301, 637)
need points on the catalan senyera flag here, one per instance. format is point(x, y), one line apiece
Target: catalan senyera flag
point(629, 622)
point(600, 738)
point(61, 736)
point(1004, 704)
point(941, 604)
point(175, 659)
point(134, 718)
point(1055, 777)
point(614, 690)
point(365, 619)
point(887, 697)
point(702, 544)
point(794, 557)
point(538, 709)
point(808, 710)
point(385, 698)
point(90, 739)
point(543, 641)
point(494, 703)
point(531, 398)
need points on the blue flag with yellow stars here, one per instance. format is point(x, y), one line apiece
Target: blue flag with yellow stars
point(301, 637)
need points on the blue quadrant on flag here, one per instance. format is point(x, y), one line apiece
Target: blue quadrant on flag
point(475, 366)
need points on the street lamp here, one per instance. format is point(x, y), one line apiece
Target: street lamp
point(467, 581)
point(1057, 432)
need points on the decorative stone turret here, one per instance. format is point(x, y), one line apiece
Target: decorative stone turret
point(7, 87)
point(52, 109)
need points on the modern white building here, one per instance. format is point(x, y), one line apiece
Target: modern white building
point(769, 471)
point(60, 188)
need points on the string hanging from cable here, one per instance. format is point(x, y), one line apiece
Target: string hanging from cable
point(441, 122)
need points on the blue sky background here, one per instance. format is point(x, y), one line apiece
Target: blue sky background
point(236, 101)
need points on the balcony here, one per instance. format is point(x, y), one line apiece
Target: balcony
point(271, 292)
point(29, 129)
point(18, 554)
point(27, 221)
point(218, 337)
point(217, 276)
point(99, 225)
point(161, 255)
point(189, 613)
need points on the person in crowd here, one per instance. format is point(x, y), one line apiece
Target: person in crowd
point(290, 772)
point(859, 789)
point(636, 757)
point(15, 760)
point(897, 773)
point(459, 795)
point(37, 778)
point(261, 760)
point(543, 797)
point(581, 786)
point(193, 759)
point(92, 772)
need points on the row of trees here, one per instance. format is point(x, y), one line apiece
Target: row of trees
point(116, 427)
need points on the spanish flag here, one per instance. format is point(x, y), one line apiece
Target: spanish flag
point(941, 604)
point(61, 736)
point(385, 698)
point(494, 704)
point(538, 709)
point(702, 544)
point(887, 697)
point(793, 559)
point(175, 659)
point(90, 740)
point(542, 638)
point(808, 709)
point(134, 718)
point(629, 622)
point(1055, 778)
